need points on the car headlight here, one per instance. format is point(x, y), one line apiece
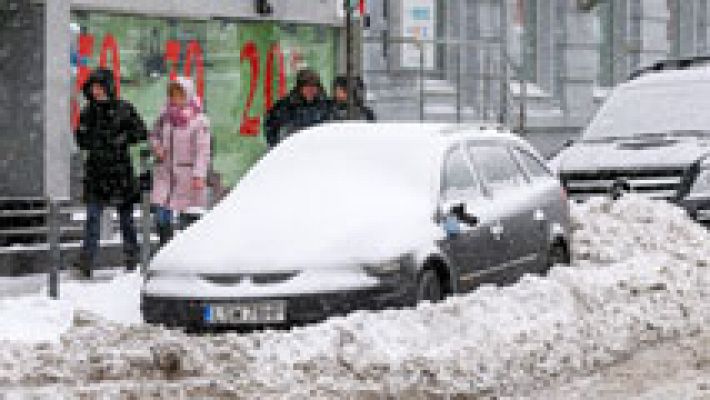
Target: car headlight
point(702, 181)
point(168, 274)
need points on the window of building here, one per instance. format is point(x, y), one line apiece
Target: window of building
point(605, 37)
point(674, 26)
point(702, 27)
point(524, 44)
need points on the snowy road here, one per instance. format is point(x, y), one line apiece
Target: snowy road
point(678, 369)
point(630, 319)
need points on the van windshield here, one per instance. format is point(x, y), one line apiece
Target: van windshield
point(667, 108)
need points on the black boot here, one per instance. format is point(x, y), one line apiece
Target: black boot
point(84, 266)
point(132, 259)
point(165, 233)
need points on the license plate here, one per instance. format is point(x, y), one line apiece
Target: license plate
point(246, 313)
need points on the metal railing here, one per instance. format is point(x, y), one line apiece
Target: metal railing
point(479, 73)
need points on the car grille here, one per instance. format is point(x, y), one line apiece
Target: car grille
point(654, 184)
point(259, 279)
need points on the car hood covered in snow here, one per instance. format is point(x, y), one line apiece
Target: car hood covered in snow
point(329, 197)
point(657, 121)
point(631, 154)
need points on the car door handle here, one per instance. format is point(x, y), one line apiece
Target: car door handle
point(539, 215)
point(497, 231)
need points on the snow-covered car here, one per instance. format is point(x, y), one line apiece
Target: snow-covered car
point(345, 217)
point(651, 137)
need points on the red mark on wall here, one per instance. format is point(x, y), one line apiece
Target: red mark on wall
point(274, 54)
point(172, 57)
point(194, 55)
point(250, 125)
point(110, 45)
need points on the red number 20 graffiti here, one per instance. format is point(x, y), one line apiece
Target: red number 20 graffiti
point(192, 56)
point(251, 124)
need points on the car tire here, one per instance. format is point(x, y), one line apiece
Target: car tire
point(556, 255)
point(429, 287)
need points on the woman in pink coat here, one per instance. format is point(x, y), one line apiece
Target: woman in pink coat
point(181, 146)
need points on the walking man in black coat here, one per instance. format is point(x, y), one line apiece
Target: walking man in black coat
point(305, 106)
point(108, 126)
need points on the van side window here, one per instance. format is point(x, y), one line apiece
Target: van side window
point(457, 177)
point(497, 166)
point(534, 167)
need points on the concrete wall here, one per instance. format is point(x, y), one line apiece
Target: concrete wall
point(22, 99)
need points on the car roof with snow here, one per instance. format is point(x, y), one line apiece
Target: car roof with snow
point(437, 134)
point(694, 74)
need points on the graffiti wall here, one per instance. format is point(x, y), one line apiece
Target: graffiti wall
point(241, 68)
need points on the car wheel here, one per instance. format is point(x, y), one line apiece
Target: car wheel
point(429, 288)
point(557, 255)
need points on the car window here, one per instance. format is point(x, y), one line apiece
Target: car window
point(457, 177)
point(496, 166)
point(534, 167)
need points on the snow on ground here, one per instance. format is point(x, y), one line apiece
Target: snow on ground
point(641, 279)
point(678, 369)
point(36, 318)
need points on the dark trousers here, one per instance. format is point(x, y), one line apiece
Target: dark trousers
point(164, 220)
point(92, 231)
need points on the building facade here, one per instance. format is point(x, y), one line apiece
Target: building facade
point(568, 53)
point(242, 61)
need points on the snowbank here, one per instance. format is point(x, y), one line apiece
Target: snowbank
point(36, 318)
point(642, 276)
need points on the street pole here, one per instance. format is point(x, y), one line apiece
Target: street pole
point(504, 81)
point(55, 255)
point(421, 81)
point(524, 50)
point(145, 213)
point(349, 73)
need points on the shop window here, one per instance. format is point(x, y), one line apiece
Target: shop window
point(241, 68)
point(702, 27)
point(674, 26)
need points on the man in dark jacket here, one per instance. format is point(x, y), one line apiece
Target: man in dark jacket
point(108, 126)
point(339, 106)
point(306, 105)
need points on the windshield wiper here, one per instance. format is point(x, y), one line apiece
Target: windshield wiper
point(650, 135)
point(694, 133)
point(697, 133)
point(604, 139)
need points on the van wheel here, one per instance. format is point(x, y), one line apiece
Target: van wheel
point(429, 288)
point(557, 255)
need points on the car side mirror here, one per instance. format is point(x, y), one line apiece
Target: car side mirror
point(461, 213)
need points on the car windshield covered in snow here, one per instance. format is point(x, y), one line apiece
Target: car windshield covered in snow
point(659, 109)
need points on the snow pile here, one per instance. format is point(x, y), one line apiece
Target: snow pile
point(610, 232)
point(36, 318)
point(653, 284)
